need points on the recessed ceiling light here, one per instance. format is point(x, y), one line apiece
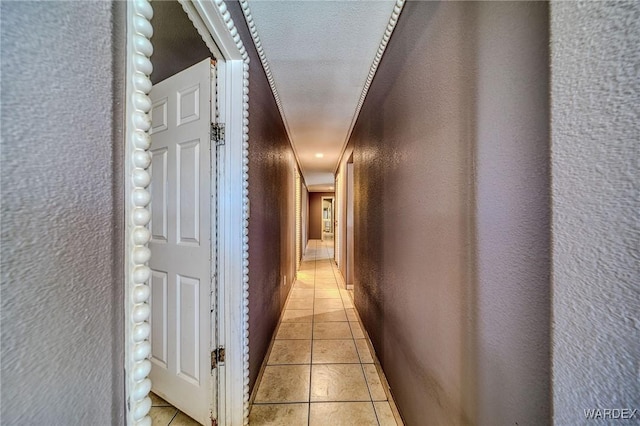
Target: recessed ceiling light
point(319, 155)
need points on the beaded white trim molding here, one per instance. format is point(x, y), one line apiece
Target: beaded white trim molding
point(137, 198)
point(393, 20)
point(246, 10)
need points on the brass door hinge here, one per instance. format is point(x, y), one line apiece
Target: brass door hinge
point(217, 357)
point(217, 133)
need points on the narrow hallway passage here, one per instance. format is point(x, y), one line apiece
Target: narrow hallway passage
point(321, 368)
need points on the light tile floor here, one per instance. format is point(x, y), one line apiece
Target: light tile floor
point(321, 368)
point(163, 414)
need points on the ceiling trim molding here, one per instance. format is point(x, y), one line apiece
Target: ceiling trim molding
point(246, 11)
point(393, 20)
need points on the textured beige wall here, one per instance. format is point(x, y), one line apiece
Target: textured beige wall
point(595, 134)
point(62, 270)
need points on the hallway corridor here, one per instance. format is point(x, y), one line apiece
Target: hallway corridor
point(321, 369)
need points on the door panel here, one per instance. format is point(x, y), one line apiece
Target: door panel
point(188, 205)
point(181, 243)
point(159, 195)
point(188, 327)
point(158, 301)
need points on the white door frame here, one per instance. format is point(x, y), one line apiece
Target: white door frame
point(332, 218)
point(298, 219)
point(214, 24)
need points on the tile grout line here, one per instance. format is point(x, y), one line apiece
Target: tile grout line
point(268, 355)
point(315, 402)
point(364, 374)
point(320, 252)
point(313, 315)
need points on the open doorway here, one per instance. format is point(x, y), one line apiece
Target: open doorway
point(350, 239)
point(321, 215)
point(298, 243)
point(227, 399)
point(327, 223)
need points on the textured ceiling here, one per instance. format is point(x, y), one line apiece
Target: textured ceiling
point(319, 54)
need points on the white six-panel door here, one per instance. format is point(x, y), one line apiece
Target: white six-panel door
point(181, 246)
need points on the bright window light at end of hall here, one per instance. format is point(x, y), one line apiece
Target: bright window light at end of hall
point(319, 155)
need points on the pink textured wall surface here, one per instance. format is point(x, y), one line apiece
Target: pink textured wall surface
point(172, 32)
point(451, 158)
point(272, 197)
